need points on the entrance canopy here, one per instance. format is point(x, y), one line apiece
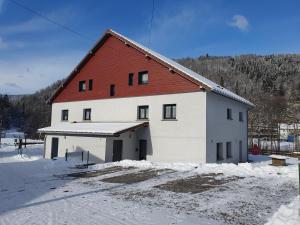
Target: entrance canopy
point(94, 129)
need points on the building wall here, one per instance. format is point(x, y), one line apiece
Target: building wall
point(95, 145)
point(111, 64)
point(181, 140)
point(219, 129)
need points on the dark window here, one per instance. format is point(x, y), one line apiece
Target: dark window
point(82, 86)
point(143, 77)
point(87, 114)
point(90, 85)
point(112, 90)
point(241, 119)
point(228, 150)
point(65, 115)
point(229, 114)
point(169, 111)
point(219, 151)
point(130, 79)
point(143, 112)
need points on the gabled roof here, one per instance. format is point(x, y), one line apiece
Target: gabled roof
point(96, 129)
point(171, 64)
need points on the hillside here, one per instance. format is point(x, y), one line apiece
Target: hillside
point(271, 82)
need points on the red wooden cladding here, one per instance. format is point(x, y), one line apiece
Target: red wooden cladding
point(112, 64)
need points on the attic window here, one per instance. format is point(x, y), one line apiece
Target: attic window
point(143, 77)
point(82, 86)
point(90, 85)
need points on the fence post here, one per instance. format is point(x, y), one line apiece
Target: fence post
point(82, 156)
point(87, 159)
point(66, 155)
point(299, 176)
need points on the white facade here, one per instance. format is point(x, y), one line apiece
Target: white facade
point(200, 123)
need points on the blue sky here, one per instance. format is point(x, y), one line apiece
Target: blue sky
point(34, 53)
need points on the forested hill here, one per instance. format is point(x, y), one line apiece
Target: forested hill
point(271, 82)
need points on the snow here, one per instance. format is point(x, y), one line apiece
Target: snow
point(214, 87)
point(32, 191)
point(287, 214)
point(103, 128)
point(278, 157)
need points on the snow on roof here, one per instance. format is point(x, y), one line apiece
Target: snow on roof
point(103, 128)
point(214, 87)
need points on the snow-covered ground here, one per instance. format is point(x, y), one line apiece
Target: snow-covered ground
point(34, 190)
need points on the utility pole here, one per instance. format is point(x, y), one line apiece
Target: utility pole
point(0, 132)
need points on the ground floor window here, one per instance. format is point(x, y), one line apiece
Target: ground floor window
point(228, 150)
point(219, 151)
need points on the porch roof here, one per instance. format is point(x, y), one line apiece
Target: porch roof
point(93, 128)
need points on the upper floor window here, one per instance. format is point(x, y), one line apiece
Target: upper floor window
point(143, 112)
point(90, 85)
point(130, 79)
point(229, 114)
point(241, 119)
point(143, 77)
point(169, 111)
point(82, 85)
point(65, 115)
point(87, 114)
point(112, 90)
point(228, 150)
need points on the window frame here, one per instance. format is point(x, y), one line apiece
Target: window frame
point(172, 117)
point(85, 113)
point(62, 115)
point(81, 84)
point(112, 90)
point(90, 84)
point(145, 115)
point(229, 113)
point(130, 79)
point(140, 77)
point(228, 149)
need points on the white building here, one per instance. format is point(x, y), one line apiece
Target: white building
point(124, 101)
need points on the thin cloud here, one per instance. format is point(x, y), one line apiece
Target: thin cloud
point(7, 45)
point(11, 84)
point(240, 22)
point(1, 5)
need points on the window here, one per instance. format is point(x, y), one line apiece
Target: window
point(87, 114)
point(143, 112)
point(143, 77)
point(169, 111)
point(228, 150)
point(130, 79)
point(241, 119)
point(82, 86)
point(112, 90)
point(90, 85)
point(219, 151)
point(65, 115)
point(229, 114)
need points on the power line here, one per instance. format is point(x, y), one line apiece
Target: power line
point(49, 19)
point(151, 22)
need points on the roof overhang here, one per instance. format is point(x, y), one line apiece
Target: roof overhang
point(99, 129)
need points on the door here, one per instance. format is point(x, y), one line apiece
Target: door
point(143, 150)
point(241, 151)
point(117, 150)
point(54, 148)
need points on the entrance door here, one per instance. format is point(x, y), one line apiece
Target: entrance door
point(117, 150)
point(54, 148)
point(143, 149)
point(241, 150)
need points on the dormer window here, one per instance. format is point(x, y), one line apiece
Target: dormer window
point(143, 77)
point(82, 86)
